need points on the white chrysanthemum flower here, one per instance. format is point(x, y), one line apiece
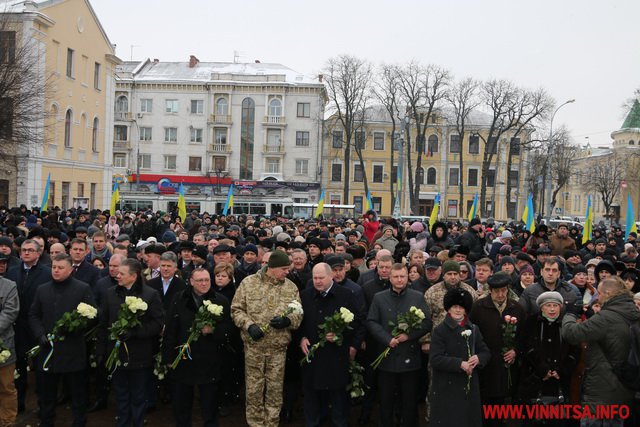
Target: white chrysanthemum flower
point(87, 310)
point(4, 355)
point(466, 333)
point(215, 309)
point(295, 307)
point(346, 315)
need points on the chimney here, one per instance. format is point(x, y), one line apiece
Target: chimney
point(257, 61)
point(320, 77)
point(193, 61)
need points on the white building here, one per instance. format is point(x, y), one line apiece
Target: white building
point(212, 124)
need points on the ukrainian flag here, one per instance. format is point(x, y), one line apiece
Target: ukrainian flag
point(45, 198)
point(474, 208)
point(182, 205)
point(115, 197)
point(229, 202)
point(369, 201)
point(320, 207)
point(631, 221)
point(434, 212)
point(588, 224)
point(528, 216)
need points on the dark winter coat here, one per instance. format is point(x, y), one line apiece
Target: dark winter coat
point(494, 376)
point(450, 404)
point(444, 242)
point(371, 284)
point(51, 301)
point(176, 286)
point(329, 367)
point(608, 341)
point(205, 364)
point(569, 292)
point(87, 273)
point(471, 239)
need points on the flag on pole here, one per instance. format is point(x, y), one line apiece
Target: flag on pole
point(320, 207)
point(528, 216)
point(45, 198)
point(474, 208)
point(369, 201)
point(588, 224)
point(434, 212)
point(115, 197)
point(229, 203)
point(631, 219)
point(182, 205)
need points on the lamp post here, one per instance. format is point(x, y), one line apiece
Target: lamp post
point(399, 169)
point(548, 172)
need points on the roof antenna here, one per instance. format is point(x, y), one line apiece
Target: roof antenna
point(236, 56)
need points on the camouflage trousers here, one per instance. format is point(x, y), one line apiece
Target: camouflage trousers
point(264, 374)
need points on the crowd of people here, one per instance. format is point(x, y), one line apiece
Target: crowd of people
point(311, 317)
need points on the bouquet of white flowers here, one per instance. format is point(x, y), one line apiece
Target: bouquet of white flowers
point(334, 324)
point(5, 354)
point(405, 323)
point(292, 307)
point(207, 316)
point(129, 317)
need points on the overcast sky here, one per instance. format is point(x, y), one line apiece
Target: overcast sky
point(583, 49)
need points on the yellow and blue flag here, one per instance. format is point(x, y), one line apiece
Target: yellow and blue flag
point(588, 224)
point(369, 201)
point(528, 216)
point(45, 198)
point(229, 203)
point(474, 208)
point(320, 207)
point(115, 197)
point(182, 204)
point(434, 212)
point(631, 219)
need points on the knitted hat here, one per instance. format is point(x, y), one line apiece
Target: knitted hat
point(251, 248)
point(168, 237)
point(474, 221)
point(279, 259)
point(450, 266)
point(6, 241)
point(549, 296)
point(417, 226)
point(458, 297)
point(527, 269)
point(579, 269)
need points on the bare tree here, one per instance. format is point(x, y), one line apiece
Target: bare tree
point(348, 88)
point(560, 158)
point(463, 99)
point(605, 176)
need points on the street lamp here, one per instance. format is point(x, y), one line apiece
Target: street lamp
point(399, 169)
point(548, 172)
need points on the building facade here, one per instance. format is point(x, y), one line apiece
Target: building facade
point(77, 62)
point(440, 167)
point(209, 125)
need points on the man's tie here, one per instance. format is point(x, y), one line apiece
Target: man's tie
point(75, 269)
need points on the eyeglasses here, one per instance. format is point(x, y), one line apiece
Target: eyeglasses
point(464, 271)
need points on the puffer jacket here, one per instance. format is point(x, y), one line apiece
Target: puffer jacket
point(9, 309)
point(608, 338)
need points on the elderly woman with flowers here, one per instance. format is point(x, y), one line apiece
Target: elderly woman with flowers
point(457, 352)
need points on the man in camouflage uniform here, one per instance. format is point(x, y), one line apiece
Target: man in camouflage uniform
point(257, 309)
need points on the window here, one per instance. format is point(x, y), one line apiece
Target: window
point(454, 144)
point(80, 189)
point(171, 106)
point(94, 135)
point(454, 176)
point(195, 164)
point(273, 137)
point(170, 134)
point(358, 176)
point(452, 208)
point(6, 118)
point(70, 71)
point(68, 121)
point(491, 178)
point(85, 68)
point(275, 107)
point(146, 134)
point(219, 163)
point(146, 105)
point(120, 133)
point(336, 172)
point(360, 139)
point(302, 139)
point(122, 107)
point(222, 107)
point(145, 161)
point(273, 165)
point(170, 162)
point(96, 76)
point(197, 106)
point(378, 140)
point(433, 144)
point(377, 203)
point(492, 145)
point(357, 202)
point(7, 47)
point(302, 167)
point(472, 177)
point(431, 176)
point(420, 175)
point(514, 177)
point(119, 160)
point(219, 136)
point(304, 109)
point(515, 146)
point(474, 144)
point(378, 173)
point(337, 139)
point(196, 135)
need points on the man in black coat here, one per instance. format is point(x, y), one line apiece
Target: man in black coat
point(168, 284)
point(29, 275)
point(63, 360)
point(82, 269)
point(203, 368)
point(473, 239)
point(326, 376)
point(376, 280)
point(130, 381)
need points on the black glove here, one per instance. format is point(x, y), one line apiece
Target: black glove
point(255, 332)
point(280, 322)
point(43, 341)
point(575, 309)
point(125, 335)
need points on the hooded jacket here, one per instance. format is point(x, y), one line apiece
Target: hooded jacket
point(445, 242)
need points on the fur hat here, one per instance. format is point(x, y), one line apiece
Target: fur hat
point(458, 297)
point(498, 280)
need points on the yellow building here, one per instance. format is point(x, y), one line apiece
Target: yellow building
point(440, 170)
point(78, 60)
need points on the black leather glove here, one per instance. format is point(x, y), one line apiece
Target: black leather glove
point(575, 309)
point(280, 322)
point(43, 341)
point(255, 332)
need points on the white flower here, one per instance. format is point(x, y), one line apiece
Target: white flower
point(86, 310)
point(207, 303)
point(419, 313)
point(214, 309)
point(4, 355)
point(134, 304)
point(295, 307)
point(16, 374)
point(346, 315)
point(466, 333)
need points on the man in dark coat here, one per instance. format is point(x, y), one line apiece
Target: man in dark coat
point(376, 280)
point(168, 284)
point(551, 281)
point(29, 275)
point(489, 313)
point(82, 269)
point(130, 381)
point(397, 373)
point(203, 368)
point(473, 239)
point(326, 376)
point(300, 273)
point(66, 360)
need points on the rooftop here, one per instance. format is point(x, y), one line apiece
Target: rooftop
point(633, 118)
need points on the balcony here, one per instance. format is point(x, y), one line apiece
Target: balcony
point(274, 121)
point(121, 145)
point(273, 149)
point(123, 116)
point(220, 119)
point(220, 148)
